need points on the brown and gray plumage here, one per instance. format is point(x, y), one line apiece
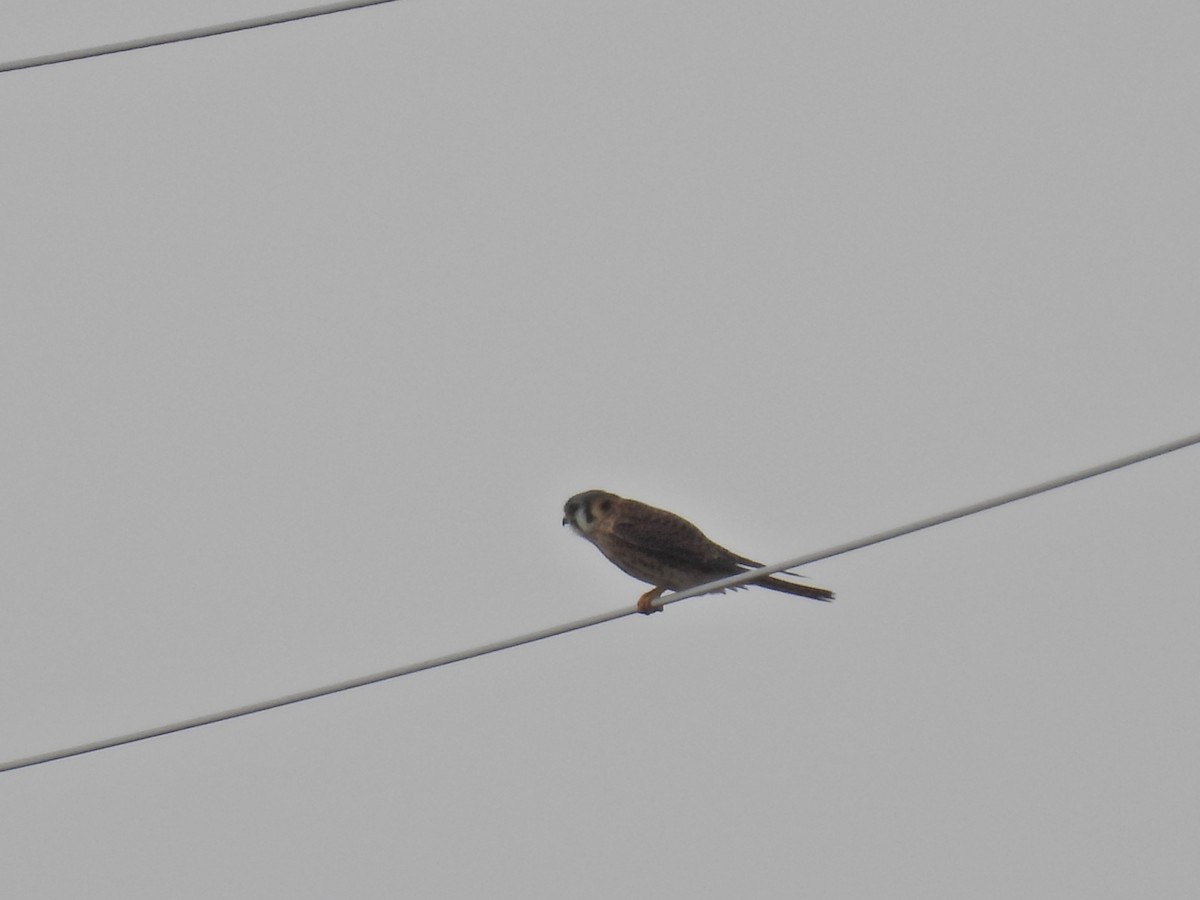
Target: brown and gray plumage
point(661, 548)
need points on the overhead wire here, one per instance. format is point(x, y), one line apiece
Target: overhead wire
point(189, 34)
point(578, 624)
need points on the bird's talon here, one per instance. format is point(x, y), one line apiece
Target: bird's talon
point(645, 604)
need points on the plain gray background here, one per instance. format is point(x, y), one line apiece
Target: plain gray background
point(309, 331)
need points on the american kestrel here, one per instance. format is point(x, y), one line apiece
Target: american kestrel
point(662, 549)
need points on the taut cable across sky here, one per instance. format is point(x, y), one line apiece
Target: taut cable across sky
point(744, 577)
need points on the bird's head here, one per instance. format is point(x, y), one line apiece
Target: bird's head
point(583, 511)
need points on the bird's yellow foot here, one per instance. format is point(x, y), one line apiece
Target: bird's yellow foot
point(645, 602)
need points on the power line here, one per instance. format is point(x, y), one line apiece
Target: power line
point(961, 512)
point(554, 631)
point(190, 34)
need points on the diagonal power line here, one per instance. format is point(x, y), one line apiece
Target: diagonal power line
point(190, 34)
point(554, 631)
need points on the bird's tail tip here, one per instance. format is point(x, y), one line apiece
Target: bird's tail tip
point(800, 590)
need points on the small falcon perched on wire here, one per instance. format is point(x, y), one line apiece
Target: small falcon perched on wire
point(661, 548)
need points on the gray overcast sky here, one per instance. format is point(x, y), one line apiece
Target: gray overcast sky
point(309, 332)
